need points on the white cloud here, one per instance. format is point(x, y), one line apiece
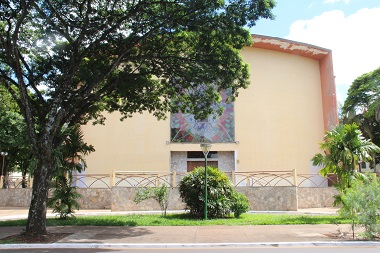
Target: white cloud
point(354, 40)
point(335, 1)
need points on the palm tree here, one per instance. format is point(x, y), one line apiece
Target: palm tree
point(68, 158)
point(343, 148)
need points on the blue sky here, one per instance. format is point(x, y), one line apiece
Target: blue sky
point(350, 28)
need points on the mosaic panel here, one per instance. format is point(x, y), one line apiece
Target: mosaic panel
point(215, 129)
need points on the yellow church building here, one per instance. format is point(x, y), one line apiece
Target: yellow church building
point(276, 124)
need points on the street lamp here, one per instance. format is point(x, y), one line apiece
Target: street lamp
point(206, 147)
point(3, 154)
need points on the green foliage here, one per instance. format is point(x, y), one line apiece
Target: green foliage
point(68, 158)
point(65, 62)
point(343, 147)
point(240, 204)
point(119, 55)
point(221, 193)
point(14, 137)
point(142, 193)
point(361, 202)
point(160, 194)
point(64, 198)
point(362, 105)
point(6, 101)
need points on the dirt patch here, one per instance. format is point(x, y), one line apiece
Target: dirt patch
point(23, 238)
point(347, 236)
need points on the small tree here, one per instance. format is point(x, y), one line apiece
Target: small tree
point(68, 158)
point(222, 197)
point(64, 198)
point(160, 194)
point(361, 202)
point(343, 147)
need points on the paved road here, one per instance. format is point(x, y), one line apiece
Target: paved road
point(318, 249)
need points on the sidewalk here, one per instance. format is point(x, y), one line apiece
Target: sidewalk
point(91, 236)
point(12, 213)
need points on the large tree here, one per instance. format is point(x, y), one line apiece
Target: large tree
point(362, 105)
point(64, 62)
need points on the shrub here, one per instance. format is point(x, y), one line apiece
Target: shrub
point(160, 194)
point(240, 204)
point(64, 199)
point(361, 202)
point(220, 191)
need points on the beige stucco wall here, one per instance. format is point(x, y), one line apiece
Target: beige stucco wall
point(279, 120)
point(278, 123)
point(136, 144)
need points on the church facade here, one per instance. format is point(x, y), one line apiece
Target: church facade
point(276, 124)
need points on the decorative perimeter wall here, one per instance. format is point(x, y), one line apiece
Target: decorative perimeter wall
point(287, 198)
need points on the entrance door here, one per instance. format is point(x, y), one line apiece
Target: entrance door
point(192, 164)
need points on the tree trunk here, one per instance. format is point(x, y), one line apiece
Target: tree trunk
point(374, 162)
point(36, 225)
point(24, 171)
point(24, 182)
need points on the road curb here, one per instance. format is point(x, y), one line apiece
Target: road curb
point(191, 245)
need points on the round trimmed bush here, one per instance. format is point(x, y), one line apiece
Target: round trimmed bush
point(222, 196)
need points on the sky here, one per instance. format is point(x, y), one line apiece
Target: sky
point(350, 28)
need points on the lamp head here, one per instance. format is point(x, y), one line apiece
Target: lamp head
point(206, 147)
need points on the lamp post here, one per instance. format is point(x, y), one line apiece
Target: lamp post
point(205, 149)
point(3, 154)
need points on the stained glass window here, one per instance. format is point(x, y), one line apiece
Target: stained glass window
point(214, 129)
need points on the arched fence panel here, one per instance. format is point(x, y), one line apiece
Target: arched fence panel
point(172, 179)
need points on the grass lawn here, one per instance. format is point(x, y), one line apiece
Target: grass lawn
point(184, 219)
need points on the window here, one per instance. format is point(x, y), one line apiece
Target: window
point(199, 154)
point(197, 159)
point(215, 129)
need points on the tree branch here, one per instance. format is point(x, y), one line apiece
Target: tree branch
point(18, 72)
point(31, 78)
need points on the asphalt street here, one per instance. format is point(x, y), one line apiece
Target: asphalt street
point(314, 249)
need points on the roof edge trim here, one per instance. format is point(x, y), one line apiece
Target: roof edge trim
point(289, 46)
